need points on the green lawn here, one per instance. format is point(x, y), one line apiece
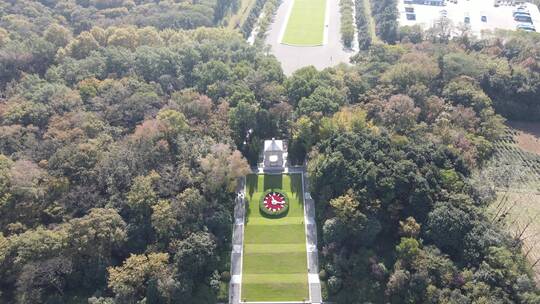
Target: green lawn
point(275, 262)
point(305, 26)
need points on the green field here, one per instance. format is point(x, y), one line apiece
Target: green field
point(275, 260)
point(305, 26)
point(517, 158)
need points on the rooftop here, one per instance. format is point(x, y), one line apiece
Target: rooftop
point(273, 145)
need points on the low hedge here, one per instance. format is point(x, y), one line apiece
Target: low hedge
point(347, 28)
point(266, 19)
point(252, 18)
point(274, 213)
point(364, 34)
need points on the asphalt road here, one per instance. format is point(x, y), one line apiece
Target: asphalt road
point(293, 58)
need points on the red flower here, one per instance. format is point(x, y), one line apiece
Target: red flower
point(274, 201)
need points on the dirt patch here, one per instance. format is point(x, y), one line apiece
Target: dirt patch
point(527, 136)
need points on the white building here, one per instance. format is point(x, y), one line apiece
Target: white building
point(274, 155)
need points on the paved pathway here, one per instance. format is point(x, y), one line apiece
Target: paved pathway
point(237, 243)
point(292, 57)
point(311, 236)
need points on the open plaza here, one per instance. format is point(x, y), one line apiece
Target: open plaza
point(300, 37)
point(479, 15)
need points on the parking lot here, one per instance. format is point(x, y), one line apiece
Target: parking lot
point(495, 17)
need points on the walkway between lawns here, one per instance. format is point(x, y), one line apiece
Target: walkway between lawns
point(275, 258)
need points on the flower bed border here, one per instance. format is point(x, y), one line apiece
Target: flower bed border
point(270, 213)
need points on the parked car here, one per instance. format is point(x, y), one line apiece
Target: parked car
point(523, 18)
point(526, 27)
point(467, 19)
point(521, 11)
point(483, 18)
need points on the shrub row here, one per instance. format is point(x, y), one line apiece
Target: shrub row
point(364, 35)
point(268, 13)
point(347, 28)
point(251, 20)
point(385, 13)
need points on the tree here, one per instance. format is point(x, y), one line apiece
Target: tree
point(241, 119)
point(301, 84)
point(466, 92)
point(408, 250)
point(4, 37)
point(462, 64)
point(334, 231)
point(409, 228)
point(412, 69)
point(399, 113)
point(173, 122)
point(397, 284)
point(153, 62)
point(34, 245)
point(478, 241)
point(222, 168)
point(195, 255)
point(346, 120)
point(347, 211)
point(210, 73)
point(163, 219)
point(189, 208)
point(447, 226)
point(37, 277)
point(122, 37)
point(97, 235)
point(304, 134)
point(57, 35)
point(441, 31)
point(82, 46)
point(142, 195)
point(5, 164)
point(324, 99)
point(130, 281)
point(411, 33)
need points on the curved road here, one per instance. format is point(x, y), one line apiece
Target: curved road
point(293, 58)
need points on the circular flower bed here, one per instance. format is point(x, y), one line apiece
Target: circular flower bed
point(274, 203)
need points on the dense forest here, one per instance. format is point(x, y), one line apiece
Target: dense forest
point(124, 126)
point(82, 15)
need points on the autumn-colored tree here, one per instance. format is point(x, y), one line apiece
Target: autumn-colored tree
point(223, 166)
point(409, 228)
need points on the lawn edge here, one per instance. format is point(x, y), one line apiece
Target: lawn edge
point(302, 203)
